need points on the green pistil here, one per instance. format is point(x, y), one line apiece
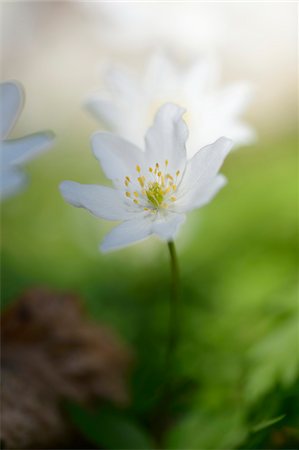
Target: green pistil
point(155, 194)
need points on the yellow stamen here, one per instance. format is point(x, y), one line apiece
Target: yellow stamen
point(154, 190)
point(141, 181)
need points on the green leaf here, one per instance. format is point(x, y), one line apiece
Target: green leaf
point(267, 423)
point(109, 428)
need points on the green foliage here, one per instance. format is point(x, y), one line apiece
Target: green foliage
point(108, 428)
point(267, 423)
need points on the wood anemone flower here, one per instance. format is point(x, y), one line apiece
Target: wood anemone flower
point(155, 188)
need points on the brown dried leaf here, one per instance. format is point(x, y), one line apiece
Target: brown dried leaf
point(50, 353)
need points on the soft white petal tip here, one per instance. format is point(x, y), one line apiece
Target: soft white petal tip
point(226, 141)
point(65, 187)
point(105, 247)
point(64, 184)
point(49, 138)
point(50, 135)
point(99, 138)
point(171, 109)
point(224, 180)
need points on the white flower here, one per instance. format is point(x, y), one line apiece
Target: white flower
point(185, 27)
point(15, 152)
point(129, 103)
point(153, 189)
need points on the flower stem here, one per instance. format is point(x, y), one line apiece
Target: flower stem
point(174, 304)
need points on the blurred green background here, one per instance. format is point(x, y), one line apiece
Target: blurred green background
point(237, 364)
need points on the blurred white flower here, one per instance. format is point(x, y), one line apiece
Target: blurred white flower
point(15, 152)
point(129, 103)
point(186, 27)
point(153, 189)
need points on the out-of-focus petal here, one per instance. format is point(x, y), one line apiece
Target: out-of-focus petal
point(161, 77)
point(241, 133)
point(200, 80)
point(234, 99)
point(11, 181)
point(18, 151)
point(121, 82)
point(11, 104)
point(103, 110)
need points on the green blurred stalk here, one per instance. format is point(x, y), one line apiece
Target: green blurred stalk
point(174, 305)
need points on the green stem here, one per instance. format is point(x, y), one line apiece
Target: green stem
point(174, 303)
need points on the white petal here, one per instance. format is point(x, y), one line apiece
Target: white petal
point(166, 139)
point(167, 227)
point(117, 156)
point(241, 133)
point(101, 201)
point(103, 110)
point(200, 196)
point(202, 77)
point(19, 151)
point(234, 99)
point(126, 233)
point(121, 82)
point(11, 104)
point(11, 182)
point(160, 75)
point(204, 165)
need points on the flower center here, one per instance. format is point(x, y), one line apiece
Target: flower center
point(155, 191)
